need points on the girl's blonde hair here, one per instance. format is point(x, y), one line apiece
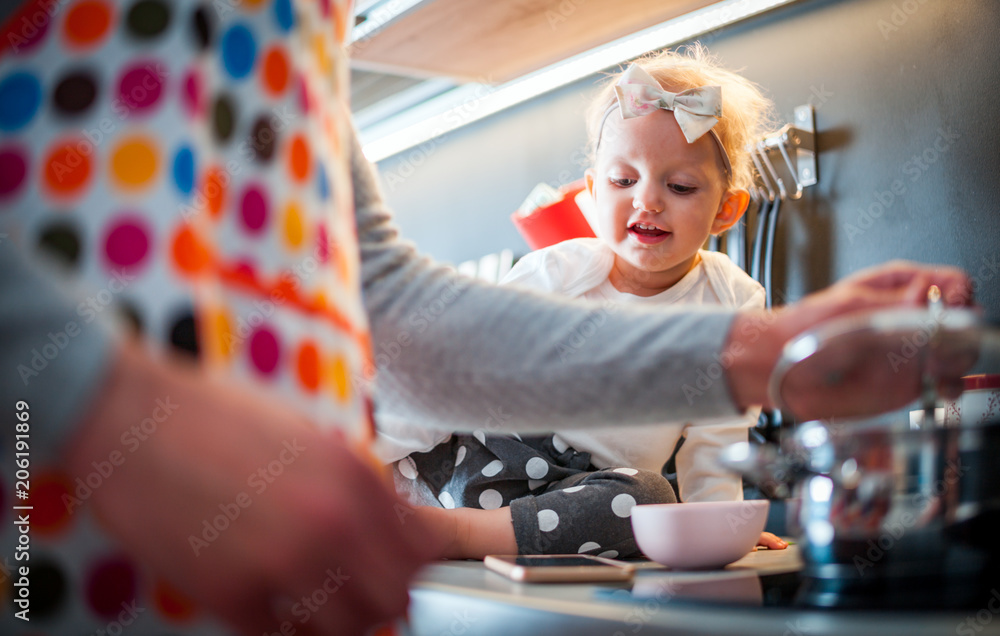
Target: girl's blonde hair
point(746, 113)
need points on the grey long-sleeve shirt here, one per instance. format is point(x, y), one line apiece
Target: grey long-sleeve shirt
point(450, 352)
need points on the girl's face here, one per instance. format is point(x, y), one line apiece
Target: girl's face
point(658, 198)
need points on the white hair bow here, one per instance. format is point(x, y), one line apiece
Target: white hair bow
point(696, 110)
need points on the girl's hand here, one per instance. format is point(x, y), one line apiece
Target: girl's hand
point(771, 542)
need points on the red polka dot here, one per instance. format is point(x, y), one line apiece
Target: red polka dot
point(274, 71)
point(127, 242)
point(191, 96)
point(67, 167)
point(264, 350)
point(254, 209)
point(140, 87)
point(53, 501)
point(245, 270)
point(214, 189)
point(13, 168)
point(110, 583)
point(307, 366)
point(191, 254)
point(87, 23)
point(299, 158)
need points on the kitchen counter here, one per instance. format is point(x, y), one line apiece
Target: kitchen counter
point(464, 598)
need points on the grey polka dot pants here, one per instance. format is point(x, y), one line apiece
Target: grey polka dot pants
point(559, 502)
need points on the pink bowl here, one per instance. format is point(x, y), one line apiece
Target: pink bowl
point(701, 535)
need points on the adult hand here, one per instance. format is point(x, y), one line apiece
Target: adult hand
point(319, 543)
point(865, 384)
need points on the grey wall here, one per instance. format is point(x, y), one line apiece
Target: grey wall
point(907, 94)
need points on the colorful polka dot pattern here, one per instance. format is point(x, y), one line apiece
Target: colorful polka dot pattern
point(185, 163)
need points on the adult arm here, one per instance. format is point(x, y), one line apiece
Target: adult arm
point(459, 354)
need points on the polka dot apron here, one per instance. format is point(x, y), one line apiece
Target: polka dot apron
point(185, 161)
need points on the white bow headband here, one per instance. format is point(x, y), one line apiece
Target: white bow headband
point(697, 110)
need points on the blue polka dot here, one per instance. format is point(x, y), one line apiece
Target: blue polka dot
point(20, 96)
point(184, 170)
point(238, 51)
point(283, 14)
point(324, 184)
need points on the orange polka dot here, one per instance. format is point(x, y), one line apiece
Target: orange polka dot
point(86, 23)
point(67, 167)
point(275, 71)
point(299, 158)
point(293, 226)
point(340, 20)
point(55, 502)
point(134, 162)
point(320, 301)
point(191, 255)
point(343, 265)
point(321, 55)
point(307, 366)
point(219, 334)
point(340, 381)
point(214, 189)
point(171, 603)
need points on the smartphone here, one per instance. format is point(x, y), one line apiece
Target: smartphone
point(559, 568)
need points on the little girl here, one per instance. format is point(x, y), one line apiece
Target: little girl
point(670, 169)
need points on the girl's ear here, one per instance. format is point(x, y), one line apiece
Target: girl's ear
point(588, 177)
point(733, 205)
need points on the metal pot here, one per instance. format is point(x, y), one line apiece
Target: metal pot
point(891, 511)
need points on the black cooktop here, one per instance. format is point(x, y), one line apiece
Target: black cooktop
point(795, 590)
